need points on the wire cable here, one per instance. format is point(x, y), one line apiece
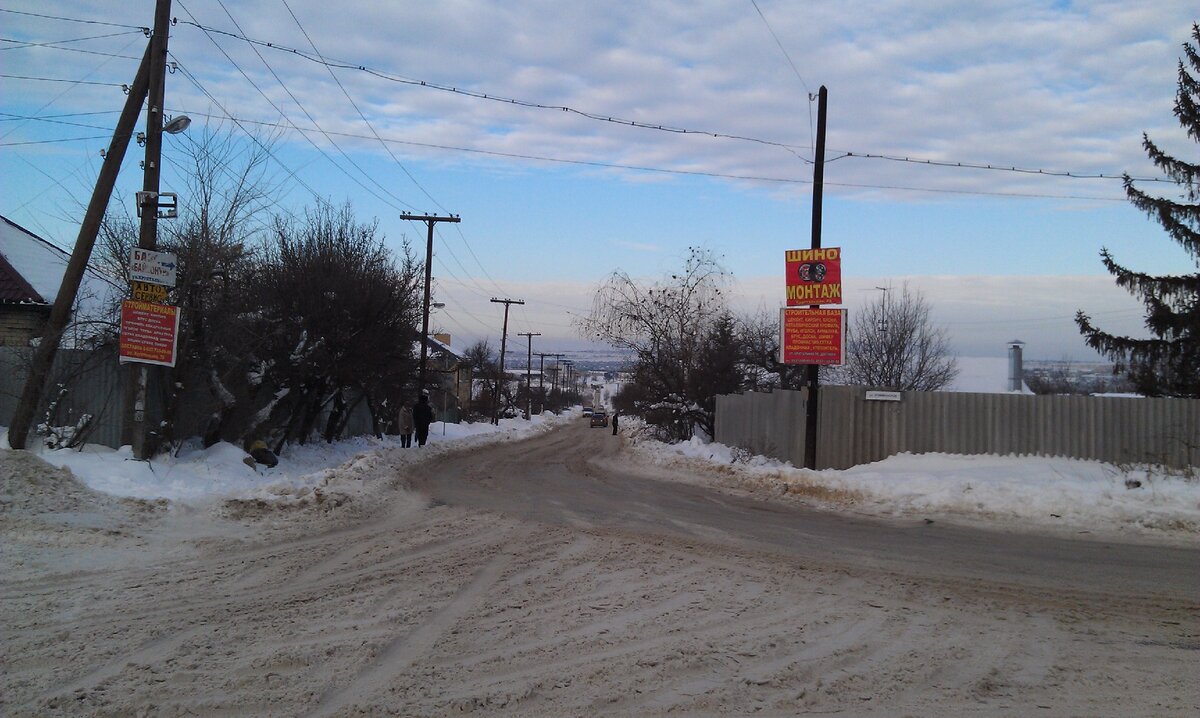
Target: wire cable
point(76, 19)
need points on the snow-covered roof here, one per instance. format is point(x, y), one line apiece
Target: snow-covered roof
point(438, 346)
point(41, 266)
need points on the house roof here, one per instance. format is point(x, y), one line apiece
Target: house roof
point(41, 266)
point(13, 287)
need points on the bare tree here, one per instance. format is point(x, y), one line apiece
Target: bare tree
point(485, 369)
point(892, 344)
point(670, 325)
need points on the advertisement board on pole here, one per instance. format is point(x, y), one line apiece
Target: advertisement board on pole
point(146, 265)
point(814, 276)
point(148, 332)
point(812, 336)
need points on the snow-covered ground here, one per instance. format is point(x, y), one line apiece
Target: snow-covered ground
point(325, 586)
point(1032, 492)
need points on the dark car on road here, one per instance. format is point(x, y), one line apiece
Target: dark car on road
point(599, 418)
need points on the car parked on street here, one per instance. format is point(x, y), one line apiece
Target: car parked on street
point(599, 418)
point(587, 411)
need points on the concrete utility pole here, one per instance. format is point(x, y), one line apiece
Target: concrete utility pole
point(60, 312)
point(431, 220)
point(148, 205)
point(503, 346)
point(813, 375)
point(528, 368)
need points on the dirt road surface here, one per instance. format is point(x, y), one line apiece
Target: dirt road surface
point(560, 576)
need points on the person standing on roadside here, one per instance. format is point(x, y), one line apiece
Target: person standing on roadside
point(405, 425)
point(422, 417)
point(615, 415)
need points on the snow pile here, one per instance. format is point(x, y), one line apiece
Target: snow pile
point(312, 471)
point(1040, 491)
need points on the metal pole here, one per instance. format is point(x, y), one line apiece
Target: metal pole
point(813, 373)
point(60, 312)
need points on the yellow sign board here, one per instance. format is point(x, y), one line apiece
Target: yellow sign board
point(147, 292)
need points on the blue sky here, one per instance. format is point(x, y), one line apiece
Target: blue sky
point(1001, 255)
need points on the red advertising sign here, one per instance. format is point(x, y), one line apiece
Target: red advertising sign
point(812, 336)
point(148, 332)
point(814, 276)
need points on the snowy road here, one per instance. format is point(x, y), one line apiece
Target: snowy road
point(579, 477)
point(551, 577)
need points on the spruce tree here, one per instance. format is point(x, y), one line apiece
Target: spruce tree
point(1168, 363)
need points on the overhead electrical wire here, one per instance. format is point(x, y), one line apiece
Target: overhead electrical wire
point(75, 19)
point(644, 125)
point(283, 114)
point(693, 173)
point(383, 75)
point(55, 44)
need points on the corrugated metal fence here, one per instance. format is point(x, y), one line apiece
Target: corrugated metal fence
point(93, 384)
point(852, 430)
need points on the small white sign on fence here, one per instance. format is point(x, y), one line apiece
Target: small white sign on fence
point(883, 396)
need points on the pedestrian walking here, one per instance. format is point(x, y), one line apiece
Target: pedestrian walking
point(422, 418)
point(615, 415)
point(405, 425)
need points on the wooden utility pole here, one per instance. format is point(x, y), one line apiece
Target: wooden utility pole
point(570, 379)
point(528, 369)
point(542, 380)
point(60, 312)
point(813, 372)
point(503, 346)
point(148, 204)
point(431, 220)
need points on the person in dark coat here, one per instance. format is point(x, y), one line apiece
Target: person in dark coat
point(615, 415)
point(422, 418)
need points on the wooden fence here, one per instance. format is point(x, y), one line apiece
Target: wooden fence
point(852, 430)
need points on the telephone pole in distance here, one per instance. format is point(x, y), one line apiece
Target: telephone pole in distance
point(503, 346)
point(528, 369)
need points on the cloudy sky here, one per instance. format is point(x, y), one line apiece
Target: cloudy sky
point(457, 107)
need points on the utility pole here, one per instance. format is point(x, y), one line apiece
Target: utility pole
point(528, 369)
point(503, 345)
point(148, 204)
point(813, 375)
point(570, 379)
point(60, 312)
point(431, 220)
point(542, 381)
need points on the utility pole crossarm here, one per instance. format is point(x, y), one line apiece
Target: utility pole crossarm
point(430, 220)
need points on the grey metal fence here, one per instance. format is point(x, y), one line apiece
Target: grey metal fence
point(853, 430)
point(90, 382)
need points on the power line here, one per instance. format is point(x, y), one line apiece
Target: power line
point(359, 111)
point(390, 77)
point(59, 79)
point(997, 168)
point(143, 28)
point(22, 44)
point(302, 133)
point(692, 173)
point(49, 142)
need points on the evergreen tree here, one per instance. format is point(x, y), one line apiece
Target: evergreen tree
point(1168, 364)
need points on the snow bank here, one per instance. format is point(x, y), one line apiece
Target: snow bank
point(1041, 491)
